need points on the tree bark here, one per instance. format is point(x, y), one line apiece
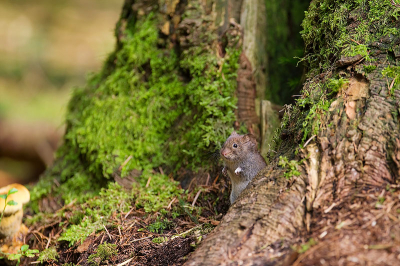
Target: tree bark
point(345, 194)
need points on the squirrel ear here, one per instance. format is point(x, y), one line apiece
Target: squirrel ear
point(234, 133)
point(250, 137)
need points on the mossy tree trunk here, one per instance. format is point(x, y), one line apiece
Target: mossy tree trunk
point(339, 149)
point(182, 76)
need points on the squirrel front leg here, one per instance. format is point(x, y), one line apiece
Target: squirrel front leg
point(238, 170)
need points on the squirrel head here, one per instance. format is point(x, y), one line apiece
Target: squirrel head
point(238, 146)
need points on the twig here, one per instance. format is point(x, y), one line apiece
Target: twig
point(330, 208)
point(148, 181)
point(190, 184)
point(215, 180)
point(119, 230)
point(391, 84)
point(120, 235)
point(195, 198)
point(161, 170)
point(170, 204)
point(40, 234)
point(208, 178)
point(129, 212)
point(125, 262)
point(48, 242)
point(107, 232)
point(134, 222)
point(309, 140)
point(355, 41)
point(186, 232)
point(125, 162)
point(139, 239)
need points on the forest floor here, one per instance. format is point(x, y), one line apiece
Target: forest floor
point(135, 237)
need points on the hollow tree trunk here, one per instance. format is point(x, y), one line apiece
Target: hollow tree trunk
point(341, 187)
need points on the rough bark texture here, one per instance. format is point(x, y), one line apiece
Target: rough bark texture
point(345, 196)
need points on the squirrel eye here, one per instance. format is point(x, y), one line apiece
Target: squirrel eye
point(234, 145)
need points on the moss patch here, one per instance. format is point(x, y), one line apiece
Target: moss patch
point(94, 214)
point(328, 35)
point(48, 254)
point(392, 75)
point(143, 108)
point(104, 252)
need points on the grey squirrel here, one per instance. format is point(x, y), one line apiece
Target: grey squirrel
point(242, 161)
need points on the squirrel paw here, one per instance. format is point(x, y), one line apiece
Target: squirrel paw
point(238, 170)
point(224, 171)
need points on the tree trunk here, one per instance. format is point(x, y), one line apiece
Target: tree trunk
point(343, 136)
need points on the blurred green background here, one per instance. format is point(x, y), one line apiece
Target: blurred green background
point(46, 49)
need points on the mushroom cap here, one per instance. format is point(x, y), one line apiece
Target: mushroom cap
point(20, 197)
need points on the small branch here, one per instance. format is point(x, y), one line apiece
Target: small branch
point(309, 140)
point(129, 212)
point(48, 242)
point(107, 232)
point(148, 181)
point(195, 198)
point(391, 84)
point(140, 239)
point(215, 180)
point(170, 204)
point(125, 262)
point(161, 170)
point(186, 232)
point(355, 41)
point(125, 162)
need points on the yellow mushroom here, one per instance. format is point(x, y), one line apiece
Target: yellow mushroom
point(12, 217)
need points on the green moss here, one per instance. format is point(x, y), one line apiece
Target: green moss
point(67, 180)
point(353, 50)
point(143, 109)
point(327, 34)
point(306, 246)
point(369, 68)
point(333, 30)
point(393, 73)
point(289, 166)
point(157, 194)
point(334, 85)
point(48, 254)
point(104, 252)
point(314, 105)
point(95, 213)
point(159, 240)
point(160, 225)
